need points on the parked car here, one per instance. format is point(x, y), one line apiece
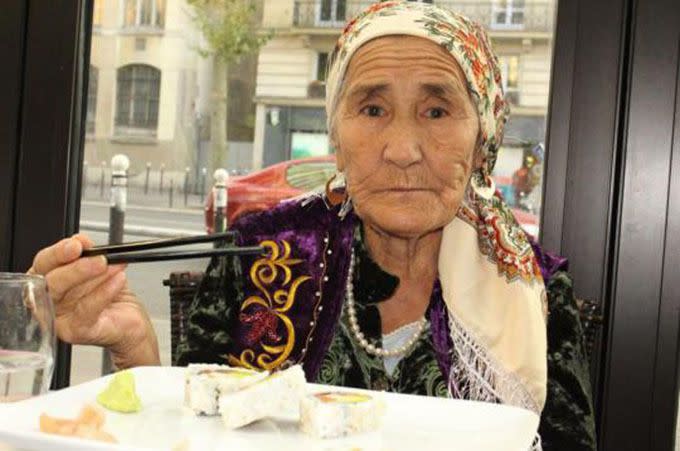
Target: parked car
point(264, 189)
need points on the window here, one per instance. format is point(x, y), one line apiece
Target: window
point(151, 99)
point(510, 72)
point(332, 12)
point(310, 176)
point(317, 88)
point(306, 144)
point(144, 13)
point(98, 13)
point(321, 66)
point(137, 98)
point(507, 14)
point(92, 100)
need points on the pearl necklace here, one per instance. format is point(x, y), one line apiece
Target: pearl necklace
point(354, 324)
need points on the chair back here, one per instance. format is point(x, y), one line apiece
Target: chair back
point(183, 287)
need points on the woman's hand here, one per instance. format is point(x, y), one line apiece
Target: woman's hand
point(93, 305)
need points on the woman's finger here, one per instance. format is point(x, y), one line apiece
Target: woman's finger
point(66, 277)
point(84, 240)
point(88, 308)
point(60, 253)
point(83, 290)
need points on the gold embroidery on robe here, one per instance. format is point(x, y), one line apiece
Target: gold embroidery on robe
point(264, 273)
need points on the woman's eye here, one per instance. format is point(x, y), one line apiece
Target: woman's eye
point(373, 111)
point(435, 113)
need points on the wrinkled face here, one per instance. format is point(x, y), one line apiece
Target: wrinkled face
point(405, 135)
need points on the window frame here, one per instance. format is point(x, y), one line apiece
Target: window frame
point(49, 134)
point(130, 128)
point(509, 9)
point(588, 110)
point(158, 20)
point(91, 110)
point(333, 21)
point(319, 67)
point(12, 33)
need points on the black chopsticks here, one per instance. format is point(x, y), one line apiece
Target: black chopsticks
point(143, 257)
point(132, 252)
point(156, 244)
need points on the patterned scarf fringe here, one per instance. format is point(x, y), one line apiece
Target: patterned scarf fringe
point(476, 376)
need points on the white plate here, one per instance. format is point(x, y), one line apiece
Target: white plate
point(411, 423)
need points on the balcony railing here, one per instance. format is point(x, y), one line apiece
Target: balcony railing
point(531, 17)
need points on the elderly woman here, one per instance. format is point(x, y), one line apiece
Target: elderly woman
point(408, 274)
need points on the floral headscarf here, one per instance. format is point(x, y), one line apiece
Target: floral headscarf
point(489, 275)
point(466, 40)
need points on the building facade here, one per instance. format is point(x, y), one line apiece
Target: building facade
point(149, 90)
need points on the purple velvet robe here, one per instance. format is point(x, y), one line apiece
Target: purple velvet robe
point(305, 289)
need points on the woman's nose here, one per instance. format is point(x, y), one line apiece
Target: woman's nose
point(403, 147)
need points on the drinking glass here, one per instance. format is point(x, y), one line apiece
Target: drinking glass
point(27, 336)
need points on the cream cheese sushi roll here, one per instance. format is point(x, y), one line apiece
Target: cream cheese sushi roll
point(279, 393)
point(204, 383)
point(338, 414)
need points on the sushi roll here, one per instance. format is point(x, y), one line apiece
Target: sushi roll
point(338, 414)
point(278, 394)
point(204, 384)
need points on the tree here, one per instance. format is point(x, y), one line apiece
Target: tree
point(230, 32)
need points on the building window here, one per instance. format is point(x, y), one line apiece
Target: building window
point(138, 93)
point(306, 144)
point(321, 66)
point(317, 87)
point(509, 66)
point(507, 14)
point(91, 100)
point(98, 12)
point(144, 13)
point(332, 12)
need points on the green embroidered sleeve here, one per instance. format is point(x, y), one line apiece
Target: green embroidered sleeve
point(568, 421)
point(213, 313)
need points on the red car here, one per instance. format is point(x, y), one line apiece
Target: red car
point(266, 188)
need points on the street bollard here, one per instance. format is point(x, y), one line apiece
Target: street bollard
point(221, 177)
point(204, 171)
point(172, 188)
point(101, 181)
point(160, 185)
point(146, 181)
point(186, 186)
point(119, 167)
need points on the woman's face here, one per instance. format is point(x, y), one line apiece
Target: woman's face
point(405, 135)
